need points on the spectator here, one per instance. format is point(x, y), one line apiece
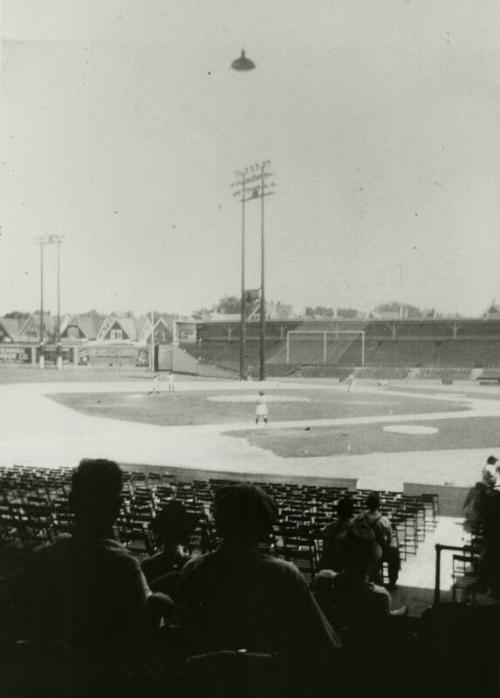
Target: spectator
point(334, 534)
point(86, 593)
point(171, 527)
point(238, 597)
point(350, 598)
point(487, 506)
point(383, 535)
point(476, 495)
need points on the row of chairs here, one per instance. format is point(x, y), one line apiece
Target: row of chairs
point(34, 509)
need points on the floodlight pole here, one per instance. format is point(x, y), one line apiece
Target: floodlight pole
point(243, 311)
point(153, 342)
point(253, 186)
point(241, 183)
point(262, 278)
point(57, 240)
point(41, 242)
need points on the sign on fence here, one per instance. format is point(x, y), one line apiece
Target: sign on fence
point(15, 355)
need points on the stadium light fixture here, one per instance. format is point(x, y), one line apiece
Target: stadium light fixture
point(242, 63)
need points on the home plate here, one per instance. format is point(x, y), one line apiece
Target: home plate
point(252, 397)
point(410, 429)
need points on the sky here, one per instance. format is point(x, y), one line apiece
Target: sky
point(122, 126)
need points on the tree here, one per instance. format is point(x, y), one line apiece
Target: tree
point(17, 315)
point(202, 313)
point(347, 313)
point(403, 309)
point(319, 311)
point(229, 305)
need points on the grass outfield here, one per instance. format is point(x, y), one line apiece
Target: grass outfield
point(224, 407)
point(360, 439)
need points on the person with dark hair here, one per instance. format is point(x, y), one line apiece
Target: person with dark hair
point(171, 528)
point(85, 593)
point(261, 410)
point(350, 597)
point(333, 536)
point(382, 529)
point(241, 598)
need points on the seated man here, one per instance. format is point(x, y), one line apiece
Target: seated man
point(383, 534)
point(334, 534)
point(240, 598)
point(85, 592)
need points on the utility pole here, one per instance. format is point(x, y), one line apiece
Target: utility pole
point(152, 341)
point(253, 184)
point(57, 240)
point(42, 242)
point(243, 338)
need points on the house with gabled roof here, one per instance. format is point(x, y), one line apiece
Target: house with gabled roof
point(142, 328)
point(9, 328)
point(163, 329)
point(115, 328)
point(81, 327)
point(30, 328)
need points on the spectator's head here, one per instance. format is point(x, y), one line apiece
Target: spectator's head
point(170, 526)
point(323, 584)
point(96, 493)
point(345, 508)
point(373, 501)
point(490, 474)
point(361, 550)
point(244, 514)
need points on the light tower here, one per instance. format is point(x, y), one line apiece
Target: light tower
point(253, 184)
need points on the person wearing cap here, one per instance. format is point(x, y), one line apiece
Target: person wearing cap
point(350, 597)
point(241, 598)
point(261, 411)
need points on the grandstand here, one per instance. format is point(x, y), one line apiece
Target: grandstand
point(391, 348)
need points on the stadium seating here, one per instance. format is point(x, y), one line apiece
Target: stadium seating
point(34, 509)
point(400, 658)
point(397, 344)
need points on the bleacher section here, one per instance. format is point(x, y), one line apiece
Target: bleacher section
point(34, 510)
point(227, 354)
point(392, 348)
